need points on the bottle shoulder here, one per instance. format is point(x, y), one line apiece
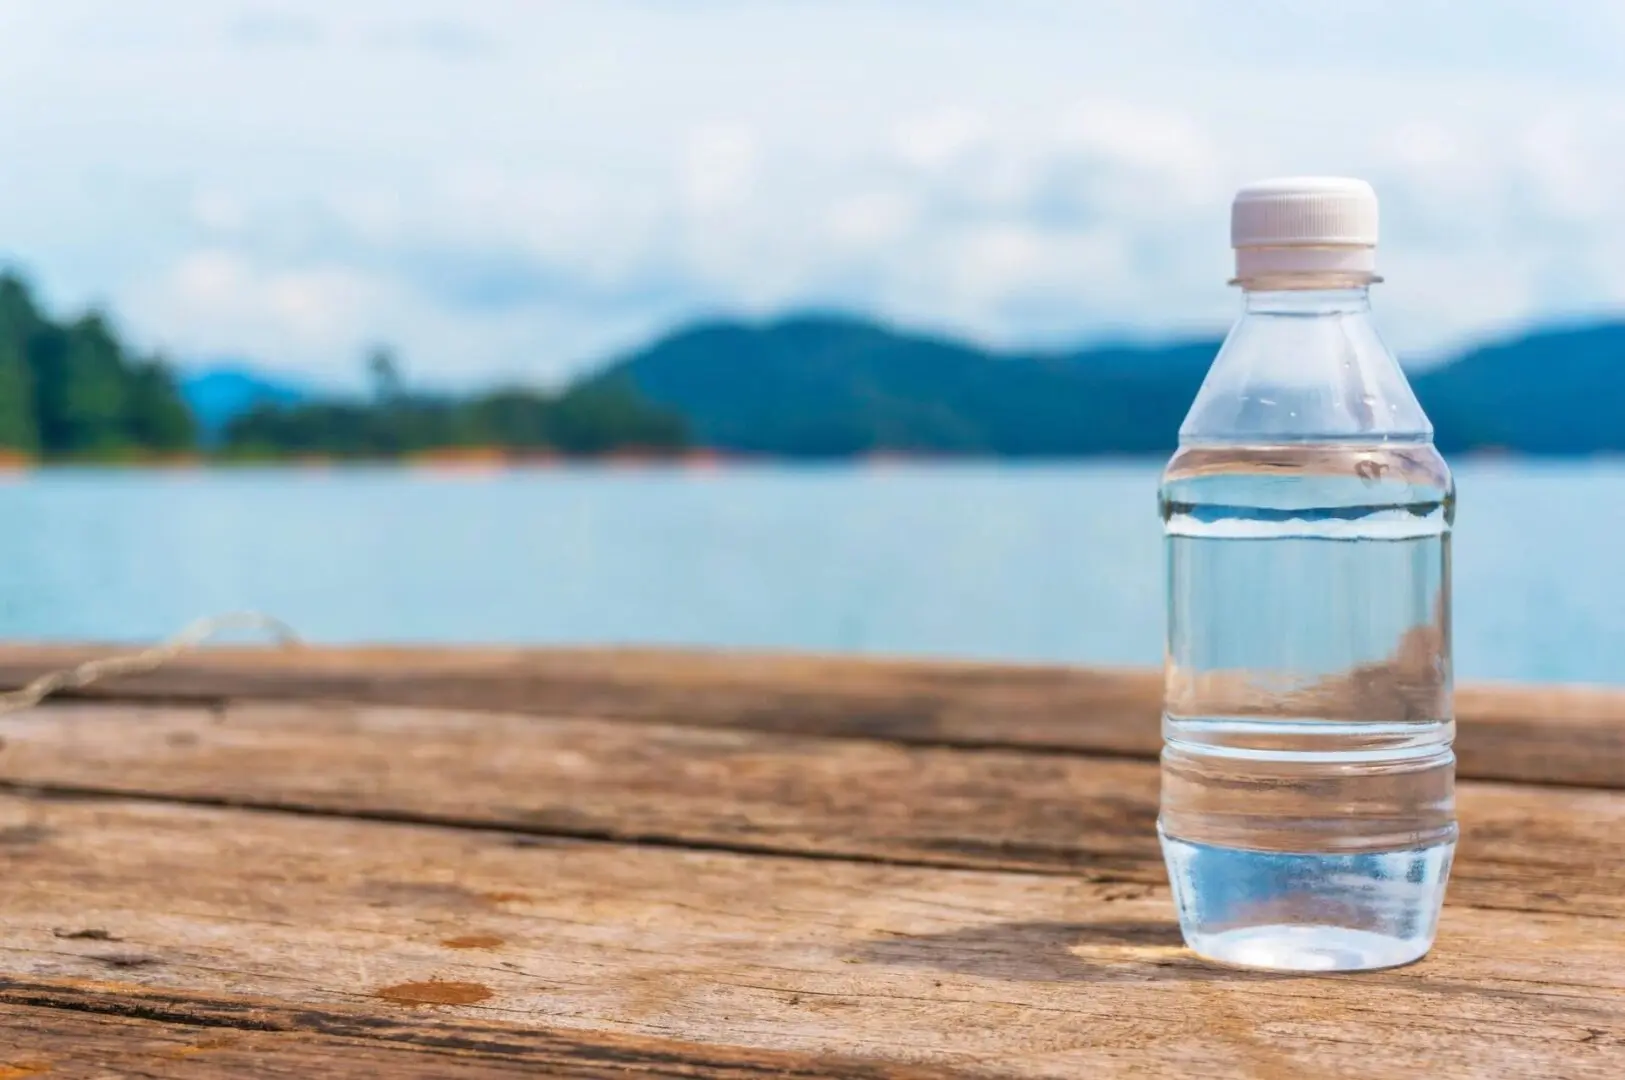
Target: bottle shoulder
point(1293, 379)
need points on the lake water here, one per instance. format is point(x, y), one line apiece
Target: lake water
point(1023, 563)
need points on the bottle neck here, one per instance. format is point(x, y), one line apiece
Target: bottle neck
point(1309, 303)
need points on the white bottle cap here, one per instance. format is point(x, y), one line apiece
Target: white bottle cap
point(1305, 225)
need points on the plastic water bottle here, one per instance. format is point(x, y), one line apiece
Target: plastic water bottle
point(1308, 803)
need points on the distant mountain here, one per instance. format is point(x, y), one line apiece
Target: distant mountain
point(831, 386)
point(828, 386)
point(219, 395)
point(1554, 391)
point(837, 386)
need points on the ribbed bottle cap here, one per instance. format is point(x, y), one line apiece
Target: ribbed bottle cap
point(1304, 224)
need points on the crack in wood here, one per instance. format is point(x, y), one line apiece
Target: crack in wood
point(520, 1045)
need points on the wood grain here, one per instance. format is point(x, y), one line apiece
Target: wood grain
point(1566, 735)
point(72, 1028)
point(511, 862)
point(1006, 974)
point(1523, 848)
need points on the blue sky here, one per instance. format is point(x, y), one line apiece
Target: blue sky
point(519, 188)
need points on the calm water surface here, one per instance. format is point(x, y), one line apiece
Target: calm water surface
point(1024, 563)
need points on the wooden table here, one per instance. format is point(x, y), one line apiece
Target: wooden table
point(389, 864)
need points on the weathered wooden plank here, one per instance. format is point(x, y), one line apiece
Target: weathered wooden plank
point(905, 701)
point(1021, 975)
point(1569, 735)
point(73, 1028)
point(1533, 849)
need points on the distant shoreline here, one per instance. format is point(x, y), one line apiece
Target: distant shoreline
point(497, 461)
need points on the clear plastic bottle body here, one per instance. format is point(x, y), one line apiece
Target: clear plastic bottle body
point(1308, 781)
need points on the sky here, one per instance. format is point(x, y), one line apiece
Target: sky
point(523, 189)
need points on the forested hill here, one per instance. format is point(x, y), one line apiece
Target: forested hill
point(832, 386)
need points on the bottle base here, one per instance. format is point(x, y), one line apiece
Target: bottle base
point(1289, 947)
point(1290, 911)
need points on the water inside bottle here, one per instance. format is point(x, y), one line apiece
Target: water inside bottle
point(1308, 780)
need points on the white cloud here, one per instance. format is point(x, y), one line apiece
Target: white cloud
point(719, 168)
point(211, 294)
point(1160, 144)
point(870, 219)
point(216, 211)
point(937, 140)
point(517, 188)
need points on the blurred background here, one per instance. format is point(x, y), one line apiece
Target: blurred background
point(784, 324)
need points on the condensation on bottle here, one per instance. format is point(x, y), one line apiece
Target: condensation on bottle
point(1308, 816)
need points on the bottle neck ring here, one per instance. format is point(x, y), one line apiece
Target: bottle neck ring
point(1337, 299)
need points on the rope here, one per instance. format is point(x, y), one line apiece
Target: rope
point(192, 637)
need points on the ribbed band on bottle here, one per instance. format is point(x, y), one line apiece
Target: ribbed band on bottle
point(1256, 262)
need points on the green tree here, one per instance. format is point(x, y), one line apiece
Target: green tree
point(72, 390)
point(18, 431)
point(611, 415)
point(517, 419)
point(384, 370)
point(156, 415)
point(19, 322)
point(591, 420)
point(95, 390)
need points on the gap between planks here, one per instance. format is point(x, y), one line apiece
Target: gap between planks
point(1537, 734)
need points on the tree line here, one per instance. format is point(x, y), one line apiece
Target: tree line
point(599, 417)
point(72, 391)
